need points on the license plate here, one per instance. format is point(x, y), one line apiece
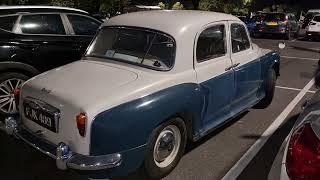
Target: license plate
point(42, 114)
point(272, 23)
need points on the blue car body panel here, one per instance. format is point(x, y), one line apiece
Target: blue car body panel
point(126, 128)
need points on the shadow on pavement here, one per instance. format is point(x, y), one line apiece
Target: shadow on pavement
point(192, 145)
point(261, 164)
point(18, 161)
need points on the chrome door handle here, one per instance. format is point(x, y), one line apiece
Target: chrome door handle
point(235, 65)
point(228, 68)
point(232, 66)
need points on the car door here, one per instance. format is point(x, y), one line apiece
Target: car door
point(247, 68)
point(45, 35)
point(216, 78)
point(82, 29)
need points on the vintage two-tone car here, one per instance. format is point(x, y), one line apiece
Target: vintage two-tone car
point(149, 82)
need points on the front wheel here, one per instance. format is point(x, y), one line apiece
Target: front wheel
point(165, 148)
point(270, 85)
point(287, 36)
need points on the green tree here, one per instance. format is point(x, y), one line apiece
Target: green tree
point(177, 6)
point(64, 3)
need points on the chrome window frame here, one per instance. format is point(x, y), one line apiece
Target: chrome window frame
point(225, 24)
point(247, 33)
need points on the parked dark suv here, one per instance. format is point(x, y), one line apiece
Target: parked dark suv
point(283, 24)
point(34, 39)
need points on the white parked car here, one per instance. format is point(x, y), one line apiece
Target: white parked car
point(148, 82)
point(313, 29)
point(298, 157)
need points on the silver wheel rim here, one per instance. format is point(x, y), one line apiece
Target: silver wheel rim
point(167, 146)
point(8, 90)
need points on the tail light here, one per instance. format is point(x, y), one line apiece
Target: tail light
point(16, 94)
point(81, 123)
point(303, 156)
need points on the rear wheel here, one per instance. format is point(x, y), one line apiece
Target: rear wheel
point(287, 36)
point(10, 84)
point(165, 148)
point(270, 85)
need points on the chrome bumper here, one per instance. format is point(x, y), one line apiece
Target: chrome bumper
point(65, 158)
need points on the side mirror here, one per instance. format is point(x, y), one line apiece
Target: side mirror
point(282, 45)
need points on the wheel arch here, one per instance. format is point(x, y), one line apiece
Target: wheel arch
point(23, 68)
point(276, 68)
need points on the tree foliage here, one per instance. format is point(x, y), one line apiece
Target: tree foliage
point(64, 3)
point(177, 6)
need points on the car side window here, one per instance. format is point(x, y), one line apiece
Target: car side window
point(42, 24)
point(239, 38)
point(7, 22)
point(83, 25)
point(211, 43)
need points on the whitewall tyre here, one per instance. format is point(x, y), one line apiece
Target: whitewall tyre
point(165, 148)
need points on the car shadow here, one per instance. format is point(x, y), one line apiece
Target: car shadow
point(192, 145)
point(260, 165)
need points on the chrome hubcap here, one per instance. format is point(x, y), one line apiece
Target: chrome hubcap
point(167, 146)
point(9, 89)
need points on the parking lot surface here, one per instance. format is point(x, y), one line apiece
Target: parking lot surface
point(213, 156)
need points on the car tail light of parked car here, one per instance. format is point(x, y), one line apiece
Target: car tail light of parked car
point(303, 156)
point(81, 123)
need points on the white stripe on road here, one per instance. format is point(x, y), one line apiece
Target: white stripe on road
point(236, 170)
point(293, 40)
point(294, 89)
point(303, 58)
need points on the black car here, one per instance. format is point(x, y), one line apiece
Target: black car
point(34, 39)
point(283, 24)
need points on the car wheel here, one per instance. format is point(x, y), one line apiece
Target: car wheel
point(287, 36)
point(270, 85)
point(297, 33)
point(165, 148)
point(10, 84)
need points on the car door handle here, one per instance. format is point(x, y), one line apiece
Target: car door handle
point(232, 66)
point(235, 65)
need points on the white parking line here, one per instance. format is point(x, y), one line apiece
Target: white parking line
point(303, 58)
point(294, 89)
point(236, 170)
point(293, 40)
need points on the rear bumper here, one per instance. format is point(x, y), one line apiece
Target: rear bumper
point(278, 170)
point(65, 158)
point(312, 33)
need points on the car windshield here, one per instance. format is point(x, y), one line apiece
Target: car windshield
point(147, 48)
point(275, 17)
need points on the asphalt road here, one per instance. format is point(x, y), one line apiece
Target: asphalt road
point(213, 156)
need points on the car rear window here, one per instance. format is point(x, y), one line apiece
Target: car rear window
point(7, 22)
point(275, 17)
point(138, 46)
point(316, 18)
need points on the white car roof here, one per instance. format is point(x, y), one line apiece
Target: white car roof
point(173, 22)
point(42, 7)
